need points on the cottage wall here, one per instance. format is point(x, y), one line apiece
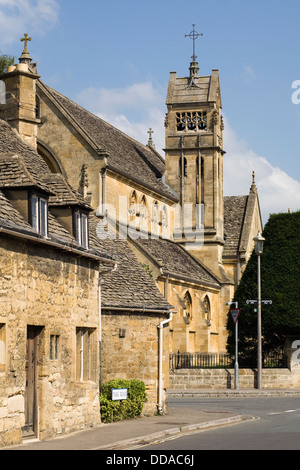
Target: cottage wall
point(56, 292)
point(130, 349)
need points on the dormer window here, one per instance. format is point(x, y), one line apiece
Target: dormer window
point(81, 228)
point(39, 214)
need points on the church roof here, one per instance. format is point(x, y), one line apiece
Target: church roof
point(177, 262)
point(124, 154)
point(238, 217)
point(129, 286)
point(22, 167)
point(234, 213)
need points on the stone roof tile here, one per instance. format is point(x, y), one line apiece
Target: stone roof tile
point(177, 261)
point(125, 154)
point(129, 286)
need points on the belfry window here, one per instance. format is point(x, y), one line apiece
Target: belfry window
point(39, 214)
point(191, 121)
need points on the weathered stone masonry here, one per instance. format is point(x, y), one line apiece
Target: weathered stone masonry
point(57, 292)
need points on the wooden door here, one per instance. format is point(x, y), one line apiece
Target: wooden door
point(31, 380)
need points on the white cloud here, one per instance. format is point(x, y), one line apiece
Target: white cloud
point(278, 191)
point(32, 16)
point(136, 108)
point(133, 109)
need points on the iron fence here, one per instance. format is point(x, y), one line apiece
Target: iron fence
point(183, 360)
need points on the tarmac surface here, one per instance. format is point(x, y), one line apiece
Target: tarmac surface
point(179, 420)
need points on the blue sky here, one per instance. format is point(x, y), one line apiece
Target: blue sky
point(114, 58)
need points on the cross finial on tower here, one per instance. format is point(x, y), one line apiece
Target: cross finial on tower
point(25, 57)
point(194, 35)
point(25, 39)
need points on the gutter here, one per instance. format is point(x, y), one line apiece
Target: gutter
point(136, 309)
point(59, 246)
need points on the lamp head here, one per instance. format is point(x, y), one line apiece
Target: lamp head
point(259, 243)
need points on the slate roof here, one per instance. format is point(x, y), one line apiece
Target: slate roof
point(178, 262)
point(22, 167)
point(129, 286)
point(234, 217)
point(125, 155)
point(63, 193)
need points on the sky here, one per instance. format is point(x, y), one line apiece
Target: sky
point(114, 58)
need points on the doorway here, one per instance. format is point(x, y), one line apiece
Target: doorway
point(32, 356)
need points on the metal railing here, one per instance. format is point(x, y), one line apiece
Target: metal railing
point(183, 360)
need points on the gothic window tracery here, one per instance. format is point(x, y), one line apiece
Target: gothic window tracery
point(188, 304)
point(191, 121)
point(132, 204)
point(206, 303)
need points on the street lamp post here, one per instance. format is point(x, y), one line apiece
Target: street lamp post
point(236, 363)
point(259, 244)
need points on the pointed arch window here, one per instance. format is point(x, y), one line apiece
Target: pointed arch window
point(133, 203)
point(207, 308)
point(143, 207)
point(189, 305)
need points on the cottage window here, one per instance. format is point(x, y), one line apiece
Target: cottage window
point(2, 347)
point(86, 354)
point(81, 229)
point(39, 214)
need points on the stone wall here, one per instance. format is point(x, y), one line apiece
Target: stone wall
point(44, 287)
point(219, 379)
point(130, 343)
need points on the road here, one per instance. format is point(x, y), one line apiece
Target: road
point(276, 427)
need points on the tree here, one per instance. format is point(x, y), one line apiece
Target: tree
point(5, 61)
point(280, 274)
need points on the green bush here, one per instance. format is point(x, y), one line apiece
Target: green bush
point(124, 409)
point(280, 274)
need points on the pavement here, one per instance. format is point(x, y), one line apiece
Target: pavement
point(133, 433)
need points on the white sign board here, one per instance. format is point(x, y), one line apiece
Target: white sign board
point(119, 394)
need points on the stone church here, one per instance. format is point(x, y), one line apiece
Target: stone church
point(157, 249)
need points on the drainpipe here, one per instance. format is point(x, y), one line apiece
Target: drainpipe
point(160, 380)
point(100, 320)
point(103, 194)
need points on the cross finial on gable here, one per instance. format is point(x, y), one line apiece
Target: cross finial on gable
point(150, 141)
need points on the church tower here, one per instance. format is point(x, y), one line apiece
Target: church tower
point(194, 160)
point(20, 108)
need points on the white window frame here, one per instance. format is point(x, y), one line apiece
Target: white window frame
point(81, 229)
point(39, 214)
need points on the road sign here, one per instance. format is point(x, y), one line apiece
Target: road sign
point(235, 313)
point(263, 302)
